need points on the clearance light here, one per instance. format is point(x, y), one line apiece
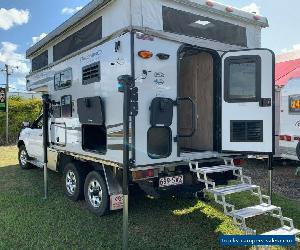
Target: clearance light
point(288, 138)
point(145, 54)
point(282, 137)
point(238, 162)
point(229, 9)
point(209, 3)
point(256, 17)
point(143, 174)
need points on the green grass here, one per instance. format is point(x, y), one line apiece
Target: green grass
point(29, 222)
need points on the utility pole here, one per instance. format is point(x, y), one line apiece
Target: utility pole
point(6, 70)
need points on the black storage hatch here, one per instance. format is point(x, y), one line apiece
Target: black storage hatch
point(91, 110)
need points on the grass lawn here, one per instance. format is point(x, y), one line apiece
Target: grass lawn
point(29, 222)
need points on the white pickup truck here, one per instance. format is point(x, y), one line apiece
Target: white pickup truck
point(30, 144)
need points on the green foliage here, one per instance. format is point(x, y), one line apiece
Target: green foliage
point(20, 110)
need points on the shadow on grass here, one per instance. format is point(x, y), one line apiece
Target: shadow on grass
point(28, 221)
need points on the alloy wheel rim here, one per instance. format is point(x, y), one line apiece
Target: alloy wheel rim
point(71, 182)
point(95, 193)
point(23, 157)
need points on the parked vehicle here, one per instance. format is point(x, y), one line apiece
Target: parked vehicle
point(289, 146)
point(203, 96)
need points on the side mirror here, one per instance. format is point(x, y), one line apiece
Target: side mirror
point(26, 124)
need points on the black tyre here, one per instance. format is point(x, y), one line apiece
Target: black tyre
point(73, 177)
point(23, 158)
point(298, 150)
point(95, 193)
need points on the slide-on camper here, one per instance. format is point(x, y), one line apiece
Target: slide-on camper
point(288, 103)
point(202, 94)
point(289, 146)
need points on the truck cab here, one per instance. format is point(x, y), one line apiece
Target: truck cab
point(30, 143)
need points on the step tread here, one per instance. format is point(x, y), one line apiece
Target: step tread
point(233, 189)
point(215, 169)
point(252, 211)
point(283, 231)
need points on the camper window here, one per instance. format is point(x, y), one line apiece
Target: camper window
point(294, 104)
point(185, 23)
point(63, 79)
point(39, 61)
point(80, 39)
point(242, 76)
point(66, 106)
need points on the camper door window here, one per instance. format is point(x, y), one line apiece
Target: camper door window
point(242, 79)
point(294, 104)
point(63, 79)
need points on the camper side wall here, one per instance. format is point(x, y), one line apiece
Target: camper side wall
point(86, 116)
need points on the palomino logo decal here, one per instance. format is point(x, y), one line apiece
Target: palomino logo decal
point(159, 78)
point(297, 124)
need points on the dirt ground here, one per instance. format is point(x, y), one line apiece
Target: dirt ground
point(285, 182)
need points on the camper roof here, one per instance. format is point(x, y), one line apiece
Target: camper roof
point(88, 9)
point(206, 5)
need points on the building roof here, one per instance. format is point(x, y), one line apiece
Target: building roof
point(285, 71)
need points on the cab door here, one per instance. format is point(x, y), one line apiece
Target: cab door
point(35, 140)
point(248, 101)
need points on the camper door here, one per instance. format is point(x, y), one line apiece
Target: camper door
point(248, 101)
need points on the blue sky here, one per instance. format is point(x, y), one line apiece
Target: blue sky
point(22, 21)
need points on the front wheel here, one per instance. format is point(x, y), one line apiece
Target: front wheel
point(95, 193)
point(23, 158)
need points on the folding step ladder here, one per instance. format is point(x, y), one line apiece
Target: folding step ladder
point(240, 215)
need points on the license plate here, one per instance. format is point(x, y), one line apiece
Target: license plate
point(116, 202)
point(171, 181)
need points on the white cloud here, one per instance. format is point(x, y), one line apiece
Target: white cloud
point(9, 55)
point(294, 47)
point(252, 8)
point(12, 17)
point(70, 11)
point(35, 39)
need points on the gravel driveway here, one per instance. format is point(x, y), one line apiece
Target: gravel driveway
point(285, 182)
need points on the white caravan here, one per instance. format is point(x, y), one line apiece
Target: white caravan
point(204, 93)
point(289, 147)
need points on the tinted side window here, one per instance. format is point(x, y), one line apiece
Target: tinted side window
point(242, 79)
point(80, 39)
point(189, 24)
point(39, 61)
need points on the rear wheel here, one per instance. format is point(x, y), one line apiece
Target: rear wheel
point(73, 177)
point(95, 193)
point(23, 158)
point(298, 150)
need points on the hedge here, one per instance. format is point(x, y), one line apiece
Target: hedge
point(20, 110)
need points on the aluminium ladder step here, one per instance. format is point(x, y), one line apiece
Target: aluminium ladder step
point(249, 212)
point(233, 189)
point(215, 169)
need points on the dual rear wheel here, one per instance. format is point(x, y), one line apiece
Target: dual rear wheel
point(92, 186)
